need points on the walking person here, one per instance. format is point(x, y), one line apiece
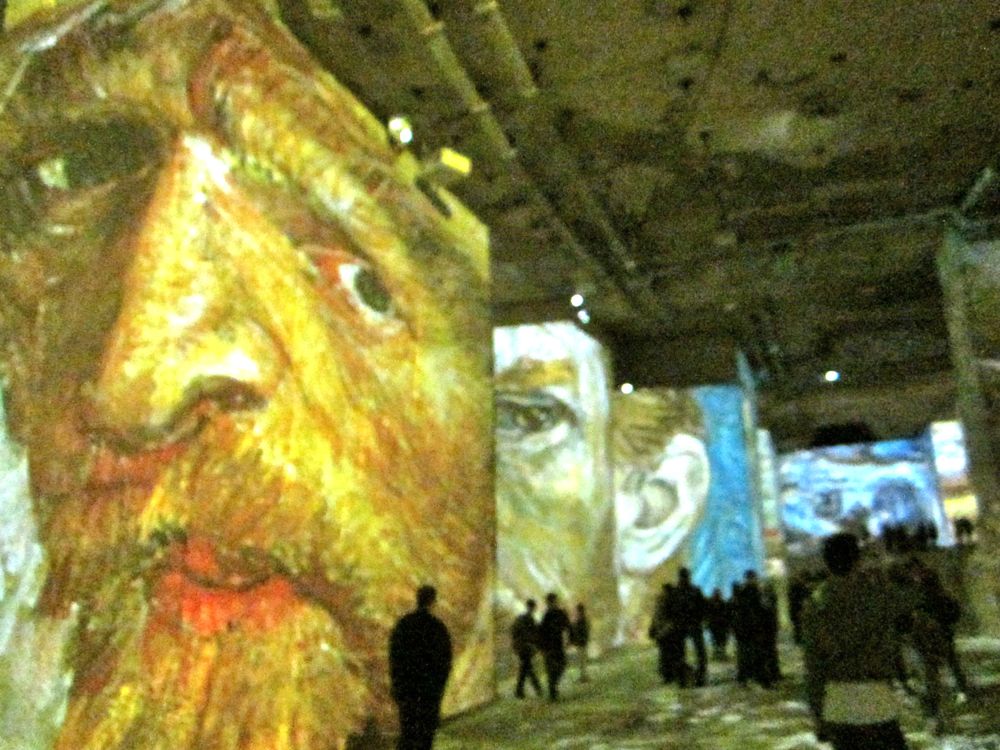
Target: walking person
point(552, 634)
point(420, 656)
point(934, 618)
point(579, 638)
point(850, 652)
point(690, 609)
point(665, 630)
point(524, 639)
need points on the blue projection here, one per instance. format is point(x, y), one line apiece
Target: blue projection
point(860, 488)
point(729, 539)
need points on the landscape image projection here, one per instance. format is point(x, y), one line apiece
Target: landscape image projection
point(682, 495)
point(246, 394)
point(860, 488)
point(553, 480)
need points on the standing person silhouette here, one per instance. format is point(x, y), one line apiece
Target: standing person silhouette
point(690, 608)
point(524, 639)
point(579, 637)
point(419, 665)
point(552, 633)
point(850, 652)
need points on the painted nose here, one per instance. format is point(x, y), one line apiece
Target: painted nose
point(189, 334)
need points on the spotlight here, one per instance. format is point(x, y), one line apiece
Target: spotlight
point(400, 130)
point(831, 376)
point(576, 300)
point(583, 316)
point(627, 388)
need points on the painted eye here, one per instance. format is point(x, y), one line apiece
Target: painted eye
point(535, 416)
point(366, 290)
point(68, 161)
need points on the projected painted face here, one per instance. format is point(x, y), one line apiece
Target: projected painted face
point(248, 364)
point(661, 486)
point(554, 508)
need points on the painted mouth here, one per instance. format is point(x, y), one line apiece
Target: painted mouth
point(207, 593)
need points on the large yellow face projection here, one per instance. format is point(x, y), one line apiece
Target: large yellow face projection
point(247, 361)
point(555, 513)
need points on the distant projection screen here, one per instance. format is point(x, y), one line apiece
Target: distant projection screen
point(682, 495)
point(555, 515)
point(246, 392)
point(861, 488)
point(952, 465)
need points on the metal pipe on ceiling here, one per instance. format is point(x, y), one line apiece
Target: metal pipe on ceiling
point(555, 162)
point(453, 72)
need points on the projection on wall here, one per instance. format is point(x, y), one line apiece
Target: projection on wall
point(860, 488)
point(952, 466)
point(247, 364)
point(682, 495)
point(553, 482)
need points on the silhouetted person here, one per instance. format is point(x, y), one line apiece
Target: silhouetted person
point(935, 617)
point(719, 620)
point(798, 593)
point(524, 639)
point(552, 634)
point(419, 664)
point(666, 631)
point(850, 649)
point(691, 618)
point(748, 626)
point(964, 529)
point(770, 665)
point(579, 638)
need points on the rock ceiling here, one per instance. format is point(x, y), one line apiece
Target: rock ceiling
point(716, 176)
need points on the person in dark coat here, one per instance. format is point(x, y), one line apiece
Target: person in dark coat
point(666, 631)
point(719, 621)
point(748, 625)
point(419, 664)
point(691, 618)
point(524, 640)
point(849, 647)
point(770, 664)
point(552, 634)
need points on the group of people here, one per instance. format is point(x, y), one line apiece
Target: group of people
point(682, 613)
point(853, 624)
point(550, 636)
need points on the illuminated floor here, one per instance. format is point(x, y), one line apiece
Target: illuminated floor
point(624, 707)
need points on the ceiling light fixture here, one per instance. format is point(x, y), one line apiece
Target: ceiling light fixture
point(627, 388)
point(576, 300)
point(400, 129)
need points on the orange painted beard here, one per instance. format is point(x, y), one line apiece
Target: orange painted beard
point(248, 361)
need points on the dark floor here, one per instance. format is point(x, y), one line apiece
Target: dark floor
point(624, 707)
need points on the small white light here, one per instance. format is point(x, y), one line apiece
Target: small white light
point(583, 316)
point(831, 376)
point(576, 300)
point(627, 388)
point(400, 130)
